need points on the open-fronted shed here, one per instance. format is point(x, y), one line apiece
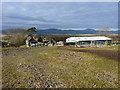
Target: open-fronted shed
point(95, 40)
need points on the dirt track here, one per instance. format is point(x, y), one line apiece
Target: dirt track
point(105, 53)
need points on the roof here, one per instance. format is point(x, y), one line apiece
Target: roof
point(95, 38)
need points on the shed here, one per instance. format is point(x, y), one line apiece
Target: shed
point(95, 40)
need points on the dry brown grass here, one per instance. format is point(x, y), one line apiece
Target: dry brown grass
point(49, 67)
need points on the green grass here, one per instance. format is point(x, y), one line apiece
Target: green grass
point(74, 69)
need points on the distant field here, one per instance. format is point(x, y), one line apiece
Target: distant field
point(52, 67)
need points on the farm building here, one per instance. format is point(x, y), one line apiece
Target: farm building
point(60, 43)
point(88, 41)
point(31, 42)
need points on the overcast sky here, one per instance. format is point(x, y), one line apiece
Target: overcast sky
point(60, 14)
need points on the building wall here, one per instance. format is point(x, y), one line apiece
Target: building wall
point(94, 43)
point(97, 43)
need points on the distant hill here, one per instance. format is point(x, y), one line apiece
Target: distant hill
point(59, 31)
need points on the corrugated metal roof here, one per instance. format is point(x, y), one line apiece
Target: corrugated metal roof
point(76, 39)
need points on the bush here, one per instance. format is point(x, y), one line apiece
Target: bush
point(4, 44)
point(16, 39)
point(15, 36)
point(40, 39)
point(14, 30)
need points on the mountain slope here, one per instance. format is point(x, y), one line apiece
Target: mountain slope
point(59, 31)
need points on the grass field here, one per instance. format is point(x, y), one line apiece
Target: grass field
point(50, 67)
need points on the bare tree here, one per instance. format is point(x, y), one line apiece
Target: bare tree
point(15, 36)
point(103, 31)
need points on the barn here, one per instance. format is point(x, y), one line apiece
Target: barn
point(88, 41)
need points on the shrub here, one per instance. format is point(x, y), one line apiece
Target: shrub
point(40, 39)
point(14, 30)
point(16, 39)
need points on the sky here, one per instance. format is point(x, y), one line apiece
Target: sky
point(60, 0)
point(59, 14)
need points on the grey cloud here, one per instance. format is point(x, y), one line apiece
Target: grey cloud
point(61, 14)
